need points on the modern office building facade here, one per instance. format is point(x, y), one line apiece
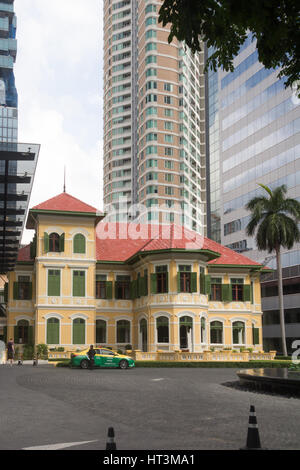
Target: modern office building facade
point(8, 92)
point(17, 160)
point(154, 118)
point(254, 131)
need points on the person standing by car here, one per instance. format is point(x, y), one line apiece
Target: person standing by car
point(91, 354)
point(10, 351)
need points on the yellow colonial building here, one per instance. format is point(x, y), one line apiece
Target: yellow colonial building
point(151, 288)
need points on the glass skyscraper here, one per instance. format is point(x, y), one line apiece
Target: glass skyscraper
point(254, 130)
point(8, 92)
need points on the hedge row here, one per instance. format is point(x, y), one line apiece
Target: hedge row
point(214, 364)
point(60, 359)
point(64, 363)
point(203, 364)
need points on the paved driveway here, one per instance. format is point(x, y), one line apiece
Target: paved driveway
point(159, 409)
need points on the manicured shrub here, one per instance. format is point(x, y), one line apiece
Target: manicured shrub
point(59, 359)
point(63, 364)
point(28, 352)
point(42, 351)
point(213, 364)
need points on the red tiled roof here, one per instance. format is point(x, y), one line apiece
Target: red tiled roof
point(121, 241)
point(115, 242)
point(24, 254)
point(65, 202)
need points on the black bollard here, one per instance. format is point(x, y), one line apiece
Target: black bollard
point(111, 445)
point(253, 440)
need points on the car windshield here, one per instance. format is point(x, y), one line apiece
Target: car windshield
point(106, 352)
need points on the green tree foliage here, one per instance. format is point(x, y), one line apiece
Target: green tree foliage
point(224, 25)
point(274, 221)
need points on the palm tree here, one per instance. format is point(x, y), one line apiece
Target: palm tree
point(275, 220)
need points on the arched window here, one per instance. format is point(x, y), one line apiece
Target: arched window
point(100, 331)
point(54, 242)
point(52, 331)
point(123, 331)
point(203, 330)
point(162, 325)
point(79, 243)
point(216, 332)
point(238, 332)
point(79, 331)
point(22, 332)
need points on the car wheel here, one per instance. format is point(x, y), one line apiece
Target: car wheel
point(123, 364)
point(84, 364)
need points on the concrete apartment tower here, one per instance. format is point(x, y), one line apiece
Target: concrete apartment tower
point(154, 119)
point(254, 137)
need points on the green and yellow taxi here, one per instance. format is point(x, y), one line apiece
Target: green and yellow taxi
point(103, 358)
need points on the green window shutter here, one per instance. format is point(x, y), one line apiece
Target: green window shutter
point(133, 289)
point(78, 332)
point(251, 293)
point(78, 283)
point(202, 283)
point(53, 283)
point(52, 331)
point(246, 292)
point(193, 282)
point(255, 335)
point(207, 285)
point(116, 290)
point(30, 291)
point(6, 292)
point(226, 293)
point(178, 282)
point(16, 334)
point(141, 286)
point(79, 243)
point(31, 335)
point(167, 282)
point(153, 283)
point(108, 288)
point(16, 291)
point(46, 242)
point(146, 285)
point(62, 243)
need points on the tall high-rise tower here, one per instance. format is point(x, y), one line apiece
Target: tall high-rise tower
point(254, 137)
point(154, 118)
point(8, 92)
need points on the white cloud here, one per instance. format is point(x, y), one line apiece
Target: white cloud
point(58, 77)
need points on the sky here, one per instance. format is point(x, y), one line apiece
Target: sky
point(58, 75)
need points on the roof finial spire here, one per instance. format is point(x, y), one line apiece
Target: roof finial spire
point(64, 178)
